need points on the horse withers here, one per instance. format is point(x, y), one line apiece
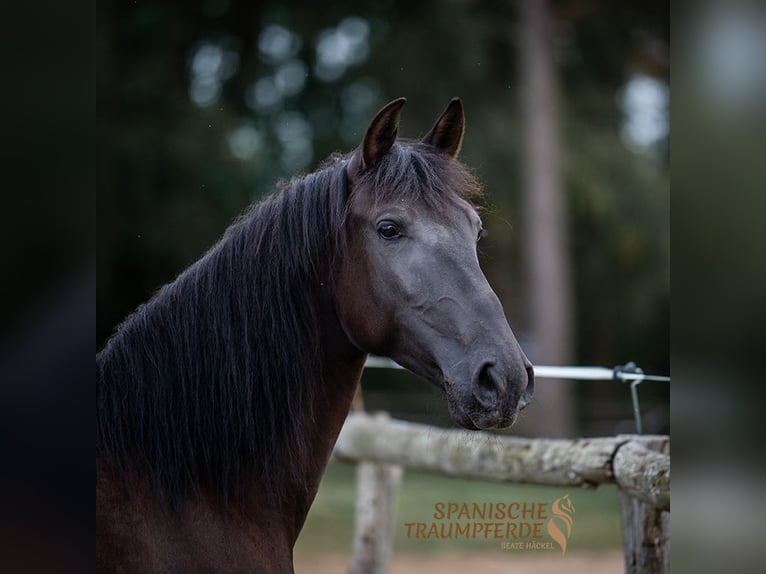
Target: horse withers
point(219, 401)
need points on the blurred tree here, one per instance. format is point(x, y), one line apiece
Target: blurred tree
point(545, 225)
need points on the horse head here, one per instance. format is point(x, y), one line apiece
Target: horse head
point(409, 285)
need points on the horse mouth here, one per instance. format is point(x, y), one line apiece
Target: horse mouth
point(492, 421)
point(481, 422)
point(475, 417)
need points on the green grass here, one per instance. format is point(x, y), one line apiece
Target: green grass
point(329, 527)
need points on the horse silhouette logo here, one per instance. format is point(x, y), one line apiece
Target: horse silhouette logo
point(562, 509)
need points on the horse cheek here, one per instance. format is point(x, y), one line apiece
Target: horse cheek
point(360, 314)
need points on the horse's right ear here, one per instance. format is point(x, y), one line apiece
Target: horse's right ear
point(378, 139)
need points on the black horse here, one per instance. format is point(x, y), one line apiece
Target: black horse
point(218, 402)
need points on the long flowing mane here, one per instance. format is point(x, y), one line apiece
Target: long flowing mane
point(206, 385)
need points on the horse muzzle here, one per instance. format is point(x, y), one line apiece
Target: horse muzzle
point(494, 397)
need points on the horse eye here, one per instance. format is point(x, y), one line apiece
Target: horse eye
point(388, 230)
point(482, 234)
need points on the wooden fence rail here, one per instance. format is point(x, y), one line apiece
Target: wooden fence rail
point(638, 464)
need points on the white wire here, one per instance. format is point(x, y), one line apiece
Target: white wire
point(546, 372)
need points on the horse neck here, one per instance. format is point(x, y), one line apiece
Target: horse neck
point(342, 369)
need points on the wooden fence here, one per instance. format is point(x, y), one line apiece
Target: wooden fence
point(638, 464)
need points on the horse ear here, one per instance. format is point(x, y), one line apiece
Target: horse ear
point(447, 133)
point(379, 137)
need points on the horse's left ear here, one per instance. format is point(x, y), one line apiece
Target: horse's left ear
point(447, 133)
point(379, 137)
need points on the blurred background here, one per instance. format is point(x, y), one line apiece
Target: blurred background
point(204, 105)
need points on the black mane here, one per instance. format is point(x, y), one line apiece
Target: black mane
point(206, 386)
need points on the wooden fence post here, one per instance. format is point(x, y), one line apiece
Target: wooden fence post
point(377, 488)
point(645, 528)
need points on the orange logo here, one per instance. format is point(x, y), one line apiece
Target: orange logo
point(562, 509)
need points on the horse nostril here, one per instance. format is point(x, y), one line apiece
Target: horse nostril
point(487, 387)
point(526, 396)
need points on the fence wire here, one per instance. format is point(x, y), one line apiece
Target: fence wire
point(627, 373)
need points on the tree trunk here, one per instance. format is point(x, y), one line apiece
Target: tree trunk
point(547, 263)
